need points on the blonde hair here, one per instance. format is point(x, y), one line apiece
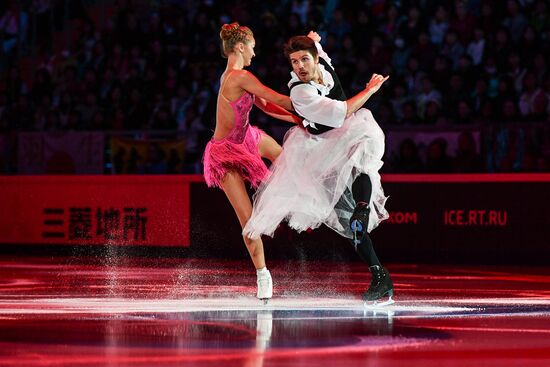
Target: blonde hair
point(231, 34)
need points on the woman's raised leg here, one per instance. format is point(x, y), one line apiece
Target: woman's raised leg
point(269, 148)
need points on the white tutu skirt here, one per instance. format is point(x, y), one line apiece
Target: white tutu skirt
point(310, 182)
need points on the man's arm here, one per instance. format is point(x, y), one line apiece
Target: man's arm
point(358, 100)
point(355, 102)
point(330, 112)
point(316, 108)
point(320, 52)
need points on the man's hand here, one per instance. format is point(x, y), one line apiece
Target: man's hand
point(375, 83)
point(314, 36)
point(358, 100)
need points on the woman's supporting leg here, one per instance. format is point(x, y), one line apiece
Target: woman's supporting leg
point(235, 190)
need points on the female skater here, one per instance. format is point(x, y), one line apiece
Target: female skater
point(234, 154)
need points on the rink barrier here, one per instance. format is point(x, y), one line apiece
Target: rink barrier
point(431, 216)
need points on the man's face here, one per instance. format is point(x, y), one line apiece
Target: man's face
point(304, 65)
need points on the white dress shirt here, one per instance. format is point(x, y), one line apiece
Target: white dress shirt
point(310, 101)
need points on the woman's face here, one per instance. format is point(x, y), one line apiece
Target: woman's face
point(248, 51)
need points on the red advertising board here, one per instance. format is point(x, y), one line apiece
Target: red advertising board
point(439, 216)
point(121, 210)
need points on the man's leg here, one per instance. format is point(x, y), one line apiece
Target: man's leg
point(381, 284)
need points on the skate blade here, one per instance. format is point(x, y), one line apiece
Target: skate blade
point(265, 300)
point(377, 304)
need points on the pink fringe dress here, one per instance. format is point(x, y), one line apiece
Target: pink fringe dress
point(237, 151)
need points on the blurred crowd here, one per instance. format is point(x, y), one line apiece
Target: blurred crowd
point(155, 66)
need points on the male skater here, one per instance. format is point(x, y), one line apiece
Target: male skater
point(328, 172)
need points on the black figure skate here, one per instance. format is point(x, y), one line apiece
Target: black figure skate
point(381, 286)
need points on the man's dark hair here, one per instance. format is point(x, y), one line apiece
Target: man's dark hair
point(300, 43)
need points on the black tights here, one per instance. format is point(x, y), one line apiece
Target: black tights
point(362, 190)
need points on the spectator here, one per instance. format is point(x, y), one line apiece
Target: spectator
point(463, 113)
point(15, 86)
point(88, 108)
point(424, 51)
point(509, 112)
point(487, 62)
point(488, 20)
point(540, 67)
point(433, 115)
point(501, 48)
point(476, 47)
point(456, 92)
point(390, 25)
point(42, 85)
point(466, 71)
point(452, 48)
point(515, 21)
point(441, 73)
point(98, 122)
point(533, 102)
point(194, 132)
point(439, 25)
point(163, 119)
point(540, 18)
point(399, 98)
point(408, 160)
point(137, 111)
point(379, 55)
point(516, 70)
point(462, 23)
point(411, 26)
point(20, 115)
point(410, 117)
point(437, 160)
point(400, 56)
point(14, 25)
point(491, 72)
point(480, 95)
point(428, 94)
point(467, 160)
point(414, 76)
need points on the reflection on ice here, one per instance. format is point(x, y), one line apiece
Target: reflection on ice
point(131, 305)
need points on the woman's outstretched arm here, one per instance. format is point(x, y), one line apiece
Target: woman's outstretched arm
point(276, 111)
point(251, 84)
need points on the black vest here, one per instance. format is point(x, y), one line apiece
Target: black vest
point(337, 93)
